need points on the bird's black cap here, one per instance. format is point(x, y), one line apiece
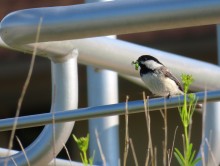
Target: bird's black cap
point(143, 58)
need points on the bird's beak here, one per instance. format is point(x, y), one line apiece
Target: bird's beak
point(136, 63)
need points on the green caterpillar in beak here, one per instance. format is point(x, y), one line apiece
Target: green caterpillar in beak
point(136, 64)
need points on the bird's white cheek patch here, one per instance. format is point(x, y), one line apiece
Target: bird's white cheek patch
point(152, 64)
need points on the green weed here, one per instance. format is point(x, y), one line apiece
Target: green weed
point(186, 113)
point(83, 144)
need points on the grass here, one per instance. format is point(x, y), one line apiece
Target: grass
point(126, 147)
point(187, 158)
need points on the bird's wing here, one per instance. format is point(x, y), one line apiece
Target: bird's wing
point(167, 73)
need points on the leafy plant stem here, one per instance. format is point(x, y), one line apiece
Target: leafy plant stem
point(83, 143)
point(186, 112)
point(186, 142)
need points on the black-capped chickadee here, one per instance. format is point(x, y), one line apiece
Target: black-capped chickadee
point(158, 79)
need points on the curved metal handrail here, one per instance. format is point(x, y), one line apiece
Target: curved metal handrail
point(65, 93)
point(117, 55)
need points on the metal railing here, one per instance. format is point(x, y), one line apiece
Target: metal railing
point(108, 18)
point(102, 111)
point(81, 21)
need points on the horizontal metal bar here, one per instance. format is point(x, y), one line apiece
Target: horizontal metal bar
point(106, 18)
point(117, 55)
point(101, 111)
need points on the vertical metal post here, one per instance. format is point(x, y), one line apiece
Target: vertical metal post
point(212, 134)
point(103, 89)
point(210, 146)
point(212, 128)
point(218, 42)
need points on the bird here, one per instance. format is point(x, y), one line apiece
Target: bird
point(157, 78)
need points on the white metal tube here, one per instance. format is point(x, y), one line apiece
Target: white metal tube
point(212, 127)
point(117, 55)
point(109, 18)
point(102, 90)
point(211, 141)
point(102, 111)
point(65, 97)
point(211, 144)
